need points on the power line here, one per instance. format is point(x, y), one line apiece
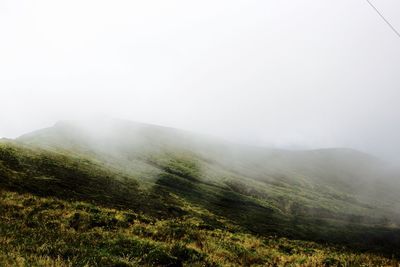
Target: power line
point(384, 19)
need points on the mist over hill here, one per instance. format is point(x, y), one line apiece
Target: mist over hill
point(338, 196)
point(337, 180)
point(131, 146)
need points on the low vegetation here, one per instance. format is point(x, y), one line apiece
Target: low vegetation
point(63, 207)
point(38, 231)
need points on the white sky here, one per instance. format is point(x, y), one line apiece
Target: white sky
point(283, 73)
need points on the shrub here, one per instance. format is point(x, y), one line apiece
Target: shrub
point(186, 254)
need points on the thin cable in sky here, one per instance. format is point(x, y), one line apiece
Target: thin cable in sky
point(387, 22)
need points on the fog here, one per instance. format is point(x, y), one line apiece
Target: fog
point(291, 74)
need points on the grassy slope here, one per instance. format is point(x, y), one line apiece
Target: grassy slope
point(332, 184)
point(37, 231)
point(322, 182)
point(301, 195)
point(98, 207)
point(85, 217)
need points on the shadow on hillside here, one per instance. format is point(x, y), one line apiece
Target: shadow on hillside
point(238, 209)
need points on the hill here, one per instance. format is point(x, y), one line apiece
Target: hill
point(337, 196)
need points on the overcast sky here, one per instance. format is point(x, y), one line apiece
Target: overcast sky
point(275, 73)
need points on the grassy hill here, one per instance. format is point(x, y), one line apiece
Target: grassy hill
point(135, 194)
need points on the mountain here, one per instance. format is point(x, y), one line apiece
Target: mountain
point(338, 196)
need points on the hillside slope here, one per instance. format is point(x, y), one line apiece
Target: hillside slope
point(339, 196)
point(335, 180)
point(90, 215)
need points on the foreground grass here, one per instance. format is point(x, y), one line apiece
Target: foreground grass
point(47, 231)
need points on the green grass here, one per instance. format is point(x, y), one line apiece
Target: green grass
point(66, 209)
point(38, 231)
